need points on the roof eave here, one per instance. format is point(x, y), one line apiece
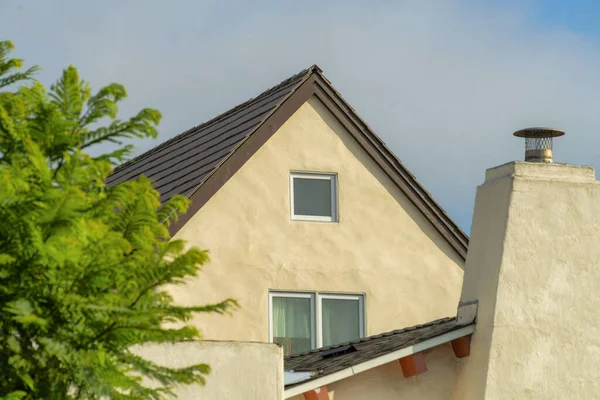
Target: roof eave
point(378, 361)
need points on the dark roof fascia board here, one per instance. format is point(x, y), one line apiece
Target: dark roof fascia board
point(316, 84)
point(392, 166)
point(242, 153)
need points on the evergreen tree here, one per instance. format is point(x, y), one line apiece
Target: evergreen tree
point(82, 265)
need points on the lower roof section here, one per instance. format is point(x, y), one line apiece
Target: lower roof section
point(327, 365)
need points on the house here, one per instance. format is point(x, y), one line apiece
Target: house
point(312, 223)
point(338, 255)
point(528, 319)
point(526, 326)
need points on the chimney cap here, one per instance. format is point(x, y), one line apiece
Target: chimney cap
point(538, 143)
point(538, 133)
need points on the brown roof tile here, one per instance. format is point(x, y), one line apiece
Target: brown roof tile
point(180, 164)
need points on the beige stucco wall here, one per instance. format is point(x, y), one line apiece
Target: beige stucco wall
point(386, 382)
point(239, 370)
point(381, 246)
point(533, 265)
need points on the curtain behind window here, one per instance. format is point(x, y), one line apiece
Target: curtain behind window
point(292, 324)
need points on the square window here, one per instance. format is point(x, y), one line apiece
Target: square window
point(303, 321)
point(313, 197)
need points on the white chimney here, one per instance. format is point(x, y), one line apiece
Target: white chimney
point(533, 267)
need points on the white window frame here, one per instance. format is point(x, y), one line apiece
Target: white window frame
point(332, 177)
point(297, 295)
point(316, 313)
point(335, 296)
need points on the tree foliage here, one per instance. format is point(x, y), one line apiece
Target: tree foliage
point(83, 265)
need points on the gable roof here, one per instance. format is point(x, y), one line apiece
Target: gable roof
point(181, 164)
point(198, 162)
point(331, 364)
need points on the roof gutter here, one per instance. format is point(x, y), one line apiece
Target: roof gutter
point(376, 362)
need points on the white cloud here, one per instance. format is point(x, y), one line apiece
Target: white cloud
point(443, 83)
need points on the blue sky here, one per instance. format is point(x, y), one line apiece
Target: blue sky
point(444, 82)
point(578, 15)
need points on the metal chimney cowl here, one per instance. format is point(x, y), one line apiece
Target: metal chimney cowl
point(538, 143)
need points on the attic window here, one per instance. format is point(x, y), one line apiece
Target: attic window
point(313, 197)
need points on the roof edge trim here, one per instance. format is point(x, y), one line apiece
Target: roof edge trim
point(378, 361)
point(264, 121)
point(205, 189)
point(401, 176)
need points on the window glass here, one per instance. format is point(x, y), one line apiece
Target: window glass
point(341, 320)
point(312, 197)
point(292, 325)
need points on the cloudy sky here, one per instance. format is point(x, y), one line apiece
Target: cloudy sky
point(444, 83)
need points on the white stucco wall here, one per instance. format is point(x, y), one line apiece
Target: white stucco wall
point(239, 370)
point(381, 246)
point(533, 264)
point(387, 382)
